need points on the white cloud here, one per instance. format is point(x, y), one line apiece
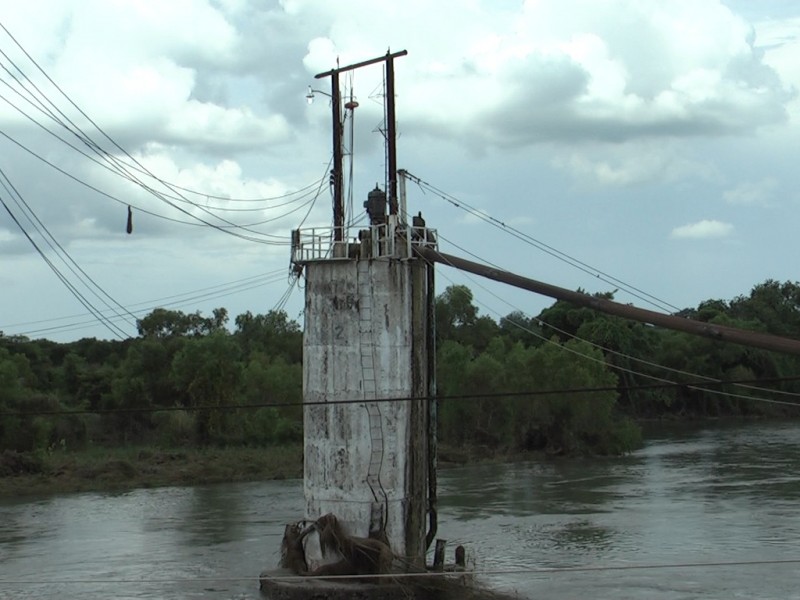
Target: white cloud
point(752, 192)
point(632, 163)
point(780, 42)
point(134, 68)
point(704, 229)
point(211, 126)
point(601, 71)
point(609, 71)
point(534, 109)
point(479, 215)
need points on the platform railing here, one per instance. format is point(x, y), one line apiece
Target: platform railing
point(384, 240)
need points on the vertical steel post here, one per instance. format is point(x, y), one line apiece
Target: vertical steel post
point(337, 178)
point(391, 135)
point(337, 173)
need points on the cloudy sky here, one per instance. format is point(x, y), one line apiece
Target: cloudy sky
point(644, 146)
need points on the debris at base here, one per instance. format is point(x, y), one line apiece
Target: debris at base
point(342, 554)
point(356, 568)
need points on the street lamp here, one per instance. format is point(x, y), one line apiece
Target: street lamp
point(312, 92)
point(336, 172)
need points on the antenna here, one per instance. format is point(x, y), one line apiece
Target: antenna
point(336, 174)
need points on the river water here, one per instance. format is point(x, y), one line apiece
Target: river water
point(663, 523)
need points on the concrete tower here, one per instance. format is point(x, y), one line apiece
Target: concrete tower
point(367, 339)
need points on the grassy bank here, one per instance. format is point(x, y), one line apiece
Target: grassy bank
point(102, 469)
point(115, 469)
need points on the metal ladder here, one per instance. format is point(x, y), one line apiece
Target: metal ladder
point(369, 387)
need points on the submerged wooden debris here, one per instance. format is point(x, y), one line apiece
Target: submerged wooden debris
point(361, 568)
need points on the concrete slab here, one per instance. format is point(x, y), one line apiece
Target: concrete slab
point(282, 584)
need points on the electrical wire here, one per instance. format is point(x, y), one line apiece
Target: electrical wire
point(562, 256)
point(548, 340)
point(212, 292)
point(427, 575)
point(598, 346)
point(420, 182)
point(284, 299)
point(233, 199)
point(94, 188)
point(692, 386)
point(54, 245)
point(320, 186)
point(301, 194)
point(613, 366)
point(116, 331)
point(284, 239)
point(122, 167)
point(401, 399)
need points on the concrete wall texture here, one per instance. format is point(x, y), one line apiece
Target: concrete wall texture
point(365, 338)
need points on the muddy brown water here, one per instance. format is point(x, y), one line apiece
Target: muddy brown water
point(664, 523)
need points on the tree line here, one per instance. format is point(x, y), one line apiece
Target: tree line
point(574, 380)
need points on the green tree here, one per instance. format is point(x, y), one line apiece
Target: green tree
point(272, 380)
point(518, 327)
point(208, 368)
point(452, 361)
point(273, 334)
point(163, 323)
point(487, 374)
point(566, 422)
point(774, 305)
point(13, 369)
point(457, 319)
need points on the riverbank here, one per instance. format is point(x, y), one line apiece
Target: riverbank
point(114, 469)
point(118, 469)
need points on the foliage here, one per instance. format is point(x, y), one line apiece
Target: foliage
point(183, 380)
point(208, 369)
point(162, 323)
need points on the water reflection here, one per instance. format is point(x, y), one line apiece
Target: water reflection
point(213, 516)
point(708, 495)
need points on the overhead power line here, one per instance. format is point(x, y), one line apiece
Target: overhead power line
point(283, 240)
point(299, 194)
point(143, 308)
point(412, 576)
point(86, 280)
point(710, 330)
point(123, 168)
point(704, 386)
point(562, 256)
point(606, 351)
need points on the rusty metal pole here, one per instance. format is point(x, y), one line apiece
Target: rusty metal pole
point(391, 135)
point(338, 175)
point(710, 330)
point(338, 162)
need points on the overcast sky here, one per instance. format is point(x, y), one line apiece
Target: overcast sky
point(651, 143)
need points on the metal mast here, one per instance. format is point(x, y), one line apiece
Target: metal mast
point(337, 175)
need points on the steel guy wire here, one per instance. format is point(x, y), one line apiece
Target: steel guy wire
point(116, 331)
point(104, 164)
point(239, 288)
point(586, 268)
point(532, 570)
point(284, 239)
point(123, 166)
point(625, 369)
point(360, 401)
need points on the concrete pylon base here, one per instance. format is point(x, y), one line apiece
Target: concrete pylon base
point(282, 584)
